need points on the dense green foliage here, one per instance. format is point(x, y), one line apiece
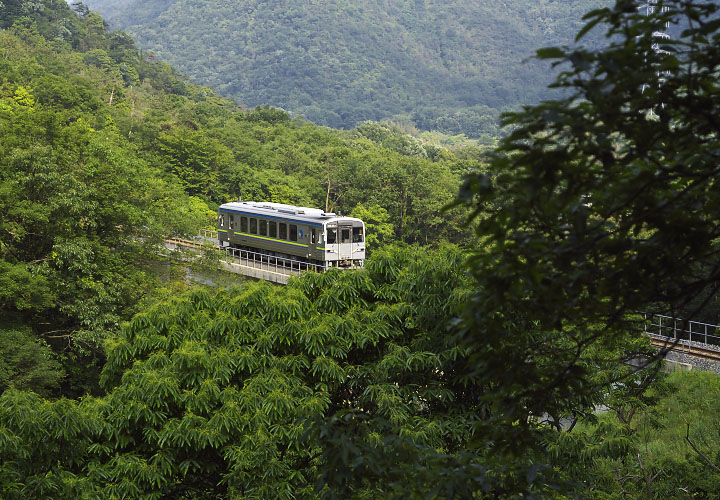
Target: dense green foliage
point(78, 206)
point(27, 363)
point(425, 375)
point(105, 152)
point(210, 395)
point(666, 449)
point(340, 385)
point(596, 207)
point(449, 66)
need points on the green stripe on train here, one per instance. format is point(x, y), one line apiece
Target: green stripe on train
point(270, 239)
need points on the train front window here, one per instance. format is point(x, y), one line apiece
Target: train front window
point(312, 236)
point(357, 235)
point(293, 232)
point(273, 229)
point(232, 221)
point(243, 224)
point(331, 235)
point(345, 235)
point(263, 228)
point(283, 231)
point(221, 221)
point(253, 225)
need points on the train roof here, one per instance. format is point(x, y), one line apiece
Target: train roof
point(304, 214)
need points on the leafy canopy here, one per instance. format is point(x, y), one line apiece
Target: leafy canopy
point(597, 206)
point(213, 394)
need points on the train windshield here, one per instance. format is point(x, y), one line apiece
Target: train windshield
point(345, 234)
point(331, 235)
point(357, 235)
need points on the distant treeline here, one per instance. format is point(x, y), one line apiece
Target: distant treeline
point(447, 66)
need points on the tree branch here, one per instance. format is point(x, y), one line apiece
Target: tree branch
point(696, 450)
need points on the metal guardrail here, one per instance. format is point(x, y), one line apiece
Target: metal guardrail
point(678, 329)
point(209, 234)
point(258, 260)
point(265, 262)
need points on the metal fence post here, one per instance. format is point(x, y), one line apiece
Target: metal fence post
point(691, 332)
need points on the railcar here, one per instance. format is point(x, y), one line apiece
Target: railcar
point(299, 233)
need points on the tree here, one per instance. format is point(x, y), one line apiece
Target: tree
point(81, 9)
point(377, 224)
point(216, 394)
point(195, 159)
point(78, 209)
point(450, 67)
point(654, 454)
point(27, 363)
point(594, 208)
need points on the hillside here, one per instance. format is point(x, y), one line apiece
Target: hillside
point(104, 151)
point(449, 66)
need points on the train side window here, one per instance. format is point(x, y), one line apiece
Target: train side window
point(312, 236)
point(345, 235)
point(293, 232)
point(243, 224)
point(331, 235)
point(283, 231)
point(253, 225)
point(357, 235)
point(263, 227)
point(273, 229)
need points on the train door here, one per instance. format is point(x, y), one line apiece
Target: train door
point(345, 243)
point(313, 241)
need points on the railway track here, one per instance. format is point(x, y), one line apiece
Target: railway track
point(710, 353)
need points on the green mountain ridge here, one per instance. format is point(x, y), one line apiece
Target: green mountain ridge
point(448, 66)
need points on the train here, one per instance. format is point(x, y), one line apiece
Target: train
point(309, 235)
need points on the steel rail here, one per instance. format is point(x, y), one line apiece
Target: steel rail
point(695, 351)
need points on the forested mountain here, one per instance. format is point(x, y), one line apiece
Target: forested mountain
point(442, 65)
